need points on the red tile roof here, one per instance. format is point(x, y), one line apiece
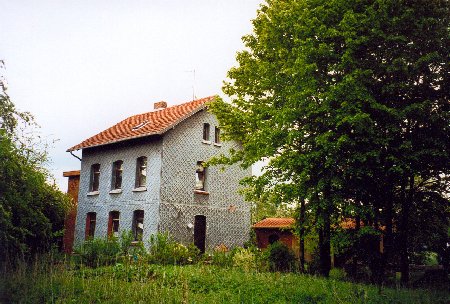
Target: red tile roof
point(151, 123)
point(275, 222)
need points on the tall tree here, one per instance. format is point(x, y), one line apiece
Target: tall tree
point(349, 101)
point(32, 210)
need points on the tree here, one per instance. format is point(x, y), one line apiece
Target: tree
point(349, 101)
point(32, 210)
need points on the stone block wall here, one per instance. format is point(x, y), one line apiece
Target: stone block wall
point(227, 215)
point(127, 201)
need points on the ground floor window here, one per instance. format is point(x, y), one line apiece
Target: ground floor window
point(138, 224)
point(91, 218)
point(113, 223)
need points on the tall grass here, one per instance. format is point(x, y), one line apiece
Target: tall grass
point(49, 281)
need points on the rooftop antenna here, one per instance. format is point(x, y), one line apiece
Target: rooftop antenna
point(193, 83)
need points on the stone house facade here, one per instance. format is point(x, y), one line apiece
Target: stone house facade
point(146, 174)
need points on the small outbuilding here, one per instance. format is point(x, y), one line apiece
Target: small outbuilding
point(273, 229)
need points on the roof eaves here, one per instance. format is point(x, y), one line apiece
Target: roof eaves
point(196, 110)
point(113, 141)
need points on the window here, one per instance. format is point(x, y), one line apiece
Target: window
point(113, 223)
point(206, 131)
point(116, 182)
point(138, 224)
point(91, 218)
point(200, 173)
point(141, 172)
point(95, 177)
point(216, 135)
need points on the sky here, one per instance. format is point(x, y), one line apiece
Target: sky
point(81, 66)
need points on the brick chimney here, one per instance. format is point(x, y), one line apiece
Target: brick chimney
point(160, 105)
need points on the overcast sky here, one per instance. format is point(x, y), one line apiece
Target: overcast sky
point(81, 66)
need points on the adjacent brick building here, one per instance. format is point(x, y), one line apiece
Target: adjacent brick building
point(69, 223)
point(146, 174)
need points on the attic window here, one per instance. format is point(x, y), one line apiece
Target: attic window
point(142, 124)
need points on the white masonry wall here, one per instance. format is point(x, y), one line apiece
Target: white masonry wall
point(127, 201)
point(227, 215)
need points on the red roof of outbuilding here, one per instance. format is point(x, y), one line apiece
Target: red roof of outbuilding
point(151, 123)
point(275, 222)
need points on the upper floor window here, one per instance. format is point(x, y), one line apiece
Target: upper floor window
point(141, 172)
point(200, 176)
point(138, 224)
point(116, 182)
point(95, 178)
point(91, 218)
point(113, 223)
point(206, 131)
point(216, 135)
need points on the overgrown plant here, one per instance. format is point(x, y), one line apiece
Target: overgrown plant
point(98, 252)
point(245, 259)
point(280, 257)
point(164, 250)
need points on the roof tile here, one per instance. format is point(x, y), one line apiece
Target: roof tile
point(275, 222)
point(155, 122)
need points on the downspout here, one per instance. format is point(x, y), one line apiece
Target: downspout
point(71, 153)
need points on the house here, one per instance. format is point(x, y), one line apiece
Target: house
point(146, 174)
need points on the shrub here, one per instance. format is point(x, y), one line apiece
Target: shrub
point(280, 257)
point(99, 252)
point(164, 250)
point(244, 259)
point(106, 251)
point(338, 274)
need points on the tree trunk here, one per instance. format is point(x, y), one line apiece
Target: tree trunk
point(387, 239)
point(302, 235)
point(324, 237)
point(404, 258)
point(356, 249)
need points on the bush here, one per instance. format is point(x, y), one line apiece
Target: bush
point(164, 250)
point(222, 258)
point(338, 274)
point(244, 259)
point(106, 251)
point(99, 252)
point(280, 257)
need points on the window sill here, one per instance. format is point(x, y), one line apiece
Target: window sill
point(115, 191)
point(140, 189)
point(93, 193)
point(218, 144)
point(202, 192)
point(206, 142)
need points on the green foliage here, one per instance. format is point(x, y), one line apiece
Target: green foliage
point(99, 252)
point(348, 100)
point(280, 257)
point(222, 258)
point(32, 210)
point(141, 283)
point(338, 274)
point(245, 260)
point(164, 250)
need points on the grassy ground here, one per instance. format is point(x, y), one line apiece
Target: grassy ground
point(188, 284)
